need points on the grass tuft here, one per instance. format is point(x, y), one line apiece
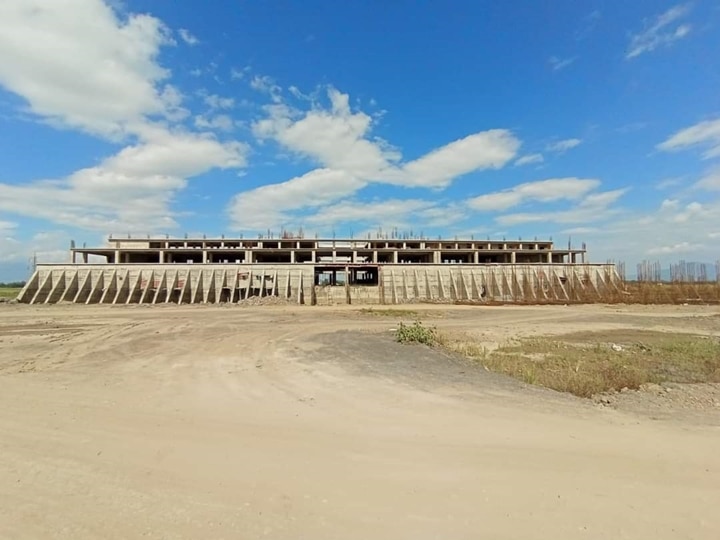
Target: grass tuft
point(416, 333)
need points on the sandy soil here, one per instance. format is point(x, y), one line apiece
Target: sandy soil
point(311, 423)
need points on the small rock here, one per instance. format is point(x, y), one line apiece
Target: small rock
point(617, 348)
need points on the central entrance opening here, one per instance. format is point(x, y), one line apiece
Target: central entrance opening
point(339, 276)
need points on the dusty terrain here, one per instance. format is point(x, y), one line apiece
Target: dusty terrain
point(289, 422)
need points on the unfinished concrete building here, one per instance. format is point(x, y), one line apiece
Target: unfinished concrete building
point(320, 271)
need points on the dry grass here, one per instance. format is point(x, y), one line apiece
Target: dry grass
point(399, 313)
point(9, 292)
point(585, 365)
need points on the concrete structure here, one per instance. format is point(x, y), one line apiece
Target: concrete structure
point(322, 272)
point(331, 251)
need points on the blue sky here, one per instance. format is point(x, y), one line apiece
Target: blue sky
point(596, 121)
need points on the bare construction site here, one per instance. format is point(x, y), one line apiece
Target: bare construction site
point(321, 272)
point(137, 404)
point(284, 422)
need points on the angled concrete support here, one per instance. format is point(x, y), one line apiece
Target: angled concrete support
point(83, 292)
point(57, 289)
point(149, 286)
point(109, 290)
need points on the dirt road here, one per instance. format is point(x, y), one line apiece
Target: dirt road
point(311, 423)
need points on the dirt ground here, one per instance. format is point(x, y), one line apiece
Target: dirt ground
point(291, 422)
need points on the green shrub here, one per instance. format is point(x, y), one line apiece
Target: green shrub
point(416, 333)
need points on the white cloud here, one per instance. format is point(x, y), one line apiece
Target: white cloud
point(113, 78)
point(374, 213)
point(675, 249)
point(220, 122)
point(710, 182)
point(705, 133)
point(130, 191)
point(268, 206)
point(187, 37)
point(662, 30)
point(113, 88)
point(338, 138)
point(485, 150)
point(668, 183)
point(267, 85)
point(553, 189)
point(529, 159)
point(218, 102)
point(592, 208)
point(564, 145)
point(560, 63)
point(339, 141)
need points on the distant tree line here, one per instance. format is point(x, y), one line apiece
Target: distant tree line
point(12, 285)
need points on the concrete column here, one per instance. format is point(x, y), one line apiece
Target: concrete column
point(513, 258)
point(334, 256)
point(205, 256)
point(436, 257)
point(375, 256)
point(248, 256)
point(549, 257)
point(162, 257)
point(292, 256)
point(572, 258)
point(313, 256)
point(354, 257)
point(85, 258)
point(117, 256)
point(476, 257)
point(395, 257)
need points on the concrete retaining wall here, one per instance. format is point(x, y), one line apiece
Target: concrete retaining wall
point(223, 283)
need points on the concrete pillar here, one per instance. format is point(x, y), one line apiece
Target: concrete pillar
point(395, 257)
point(292, 256)
point(513, 258)
point(313, 256)
point(334, 256)
point(248, 256)
point(572, 258)
point(476, 257)
point(375, 256)
point(162, 257)
point(85, 258)
point(436, 257)
point(549, 257)
point(354, 257)
point(117, 256)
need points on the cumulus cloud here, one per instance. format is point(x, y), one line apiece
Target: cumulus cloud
point(113, 79)
point(269, 206)
point(706, 133)
point(113, 88)
point(130, 191)
point(662, 30)
point(339, 141)
point(553, 189)
point(563, 146)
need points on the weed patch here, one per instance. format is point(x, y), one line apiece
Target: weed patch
point(588, 366)
point(416, 333)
